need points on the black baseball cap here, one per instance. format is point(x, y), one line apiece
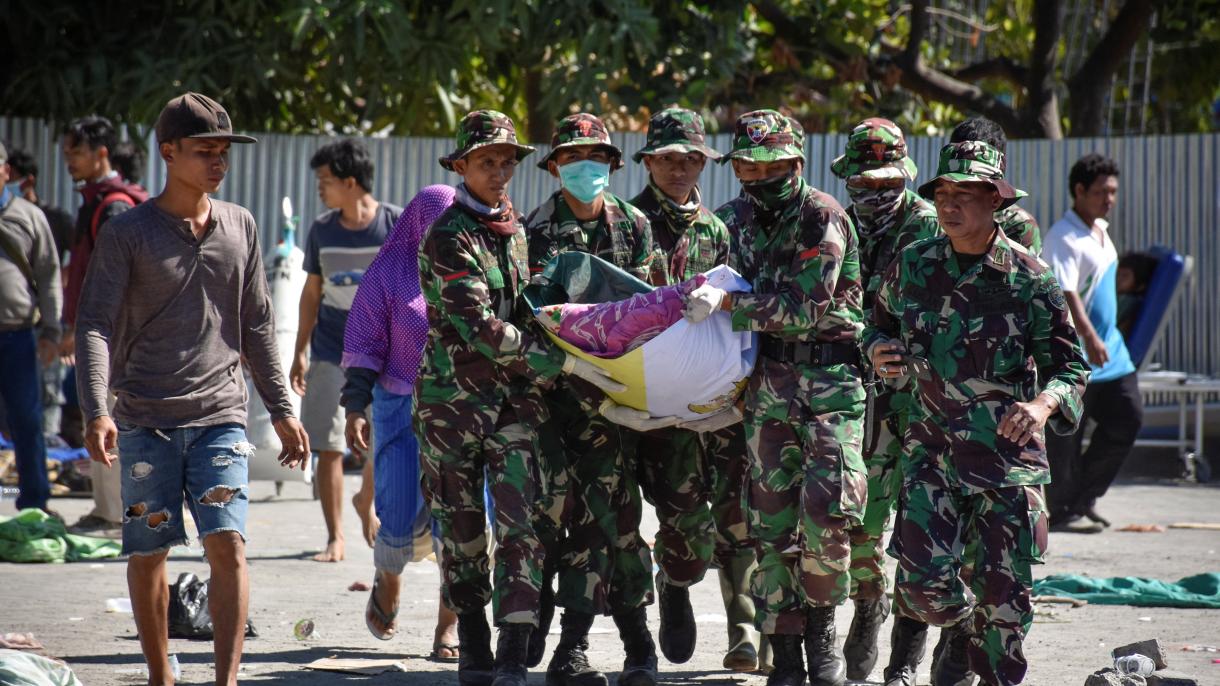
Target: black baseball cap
point(193, 115)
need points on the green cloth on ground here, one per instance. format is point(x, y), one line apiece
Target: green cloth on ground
point(26, 669)
point(1200, 590)
point(35, 536)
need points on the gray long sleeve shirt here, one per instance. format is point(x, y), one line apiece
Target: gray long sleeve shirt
point(26, 228)
point(165, 319)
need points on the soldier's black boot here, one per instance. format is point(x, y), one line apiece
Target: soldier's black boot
point(546, 612)
point(476, 666)
point(569, 665)
point(950, 660)
point(510, 655)
point(826, 667)
point(677, 622)
point(787, 659)
point(860, 648)
point(907, 641)
point(640, 664)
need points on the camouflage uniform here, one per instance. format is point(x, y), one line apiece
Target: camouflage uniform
point(605, 563)
point(877, 149)
point(1020, 227)
point(688, 240)
point(804, 404)
point(983, 337)
point(478, 398)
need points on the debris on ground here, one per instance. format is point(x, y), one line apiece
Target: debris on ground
point(1058, 599)
point(27, 669)
point(1143, 663)
point(1143, 528)
point(358, 586)
point(1203, 526)
point(356, 665)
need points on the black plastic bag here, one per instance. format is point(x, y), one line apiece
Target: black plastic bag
point(188, 609)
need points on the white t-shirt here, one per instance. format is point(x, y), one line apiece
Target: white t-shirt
point(1088, 267)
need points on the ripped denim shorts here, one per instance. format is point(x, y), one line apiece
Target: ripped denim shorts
point(205, 465)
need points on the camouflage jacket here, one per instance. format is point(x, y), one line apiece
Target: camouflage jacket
point(479, 346)
point(735, 214)
point(704, 236)
point(622, 235)
point(804, 267)
point(1020, 227)
point(918, 222)
point(994, 335)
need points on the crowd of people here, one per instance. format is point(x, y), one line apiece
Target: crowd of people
point(918, 362)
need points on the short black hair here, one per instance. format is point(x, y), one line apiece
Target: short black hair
point(128, 159)
point(22, 162)
point(1142, 266)
point(347, 158)
point(94, 131)
point(980, 129)
point(1088, 169)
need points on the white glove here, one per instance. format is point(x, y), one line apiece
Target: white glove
point(702, 302)
point(635, 419)
point(592, 373)
point(721, 420)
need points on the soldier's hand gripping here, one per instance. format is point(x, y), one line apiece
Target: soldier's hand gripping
point(702, 302)
point(593, 374)
point(634, 419)
point(889, 360)
point(1025, 420)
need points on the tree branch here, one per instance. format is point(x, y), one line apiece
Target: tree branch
point(995, 68)
point(1091, 82)
point(797, 33)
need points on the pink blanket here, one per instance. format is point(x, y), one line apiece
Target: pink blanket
point(613, 329)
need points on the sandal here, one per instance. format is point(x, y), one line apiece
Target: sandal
point(386, 618)
point(453, 649)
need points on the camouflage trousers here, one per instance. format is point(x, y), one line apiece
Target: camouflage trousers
point(1004, 530)
point(674, 478)
point(593, 511)
point(807, 486)
point(883, 460)
point(729, 464)
point(461, 444)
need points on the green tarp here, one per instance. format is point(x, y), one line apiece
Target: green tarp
point(1200, 590)
point(35, 536)
point(24, 669)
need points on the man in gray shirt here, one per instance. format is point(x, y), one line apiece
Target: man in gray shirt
point(175, 301)
point(30, 299)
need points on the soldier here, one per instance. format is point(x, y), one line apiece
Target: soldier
point(982, 327)
point(888, 217)
point(479, 399)
point(1019, 225)
point(678, 474)
point(804, 404)
point(602, 570)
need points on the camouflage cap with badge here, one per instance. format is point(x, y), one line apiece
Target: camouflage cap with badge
point(972, 162)
point(876, 149)
point(481, 128)
point(582, 129)
point(764, 136)
point(675, 129)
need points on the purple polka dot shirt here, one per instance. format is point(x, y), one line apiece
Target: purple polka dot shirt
point(387, 327)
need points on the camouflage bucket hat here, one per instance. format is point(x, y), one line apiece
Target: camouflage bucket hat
point(480, 129)
point(972, 161)
point(876, 149)
point(765, 136)
point(582, 129)
point(675, 130)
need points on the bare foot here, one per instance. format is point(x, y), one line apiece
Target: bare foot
point(333, 552)
point(369, 523)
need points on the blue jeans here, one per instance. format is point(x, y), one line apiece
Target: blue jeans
point(21, 388)
point(207, 466)
point(397, 496)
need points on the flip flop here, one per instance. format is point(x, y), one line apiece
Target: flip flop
point(386, 618)
point(451, 647)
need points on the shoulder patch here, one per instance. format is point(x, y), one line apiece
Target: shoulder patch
point(1054, 293)
point(810, 253)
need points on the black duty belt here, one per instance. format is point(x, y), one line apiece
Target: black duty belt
point(803, 352)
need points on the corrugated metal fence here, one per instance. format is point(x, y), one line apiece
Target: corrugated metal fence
point(1170, 194)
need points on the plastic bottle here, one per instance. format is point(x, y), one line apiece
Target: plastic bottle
point(1134, 664)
